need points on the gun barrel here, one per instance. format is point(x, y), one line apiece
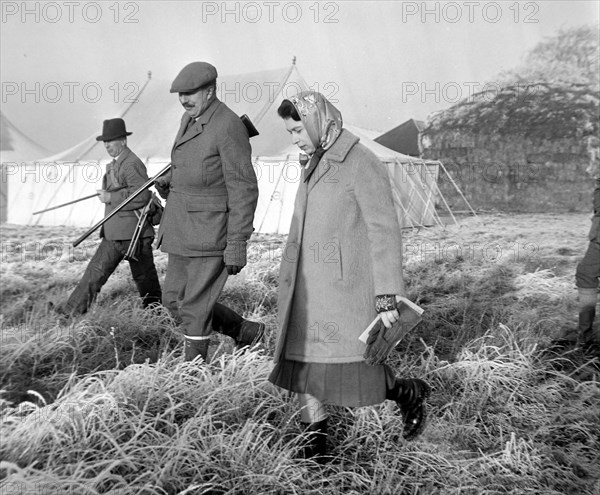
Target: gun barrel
point(124, 203)
point(65, 204)
point(252, 131)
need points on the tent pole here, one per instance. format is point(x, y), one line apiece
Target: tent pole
point(457, 189)
point(445, 203)
point(271, 200)
point(302, 80)
point(430, 201)
point(399, 201)
point(282, 196)
point(415, 188)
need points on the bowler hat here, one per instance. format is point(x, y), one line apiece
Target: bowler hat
point(113, 129)
point(193, 76)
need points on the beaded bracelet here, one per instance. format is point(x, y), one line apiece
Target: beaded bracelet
point(385, 302)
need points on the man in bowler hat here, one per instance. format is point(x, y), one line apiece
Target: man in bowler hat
point(125, 174)
point(211, 193)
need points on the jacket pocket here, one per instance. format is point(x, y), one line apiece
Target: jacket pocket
point(206, 223)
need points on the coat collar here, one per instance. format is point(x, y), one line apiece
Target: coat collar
point(342, 146)
point(185, 133)
point(337, 153)
point(121, 158)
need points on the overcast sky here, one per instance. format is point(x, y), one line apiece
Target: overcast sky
point(382, 61)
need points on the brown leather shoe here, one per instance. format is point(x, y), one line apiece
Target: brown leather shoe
point(250, 333)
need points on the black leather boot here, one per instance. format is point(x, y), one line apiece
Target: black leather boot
point(229, 323)
point(249, 333)
point(194, 348)
point(411, 396)
point(316, 444)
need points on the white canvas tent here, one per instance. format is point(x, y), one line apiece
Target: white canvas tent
point(15, 148)
point(154, 119)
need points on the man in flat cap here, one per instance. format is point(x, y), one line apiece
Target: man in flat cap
point(125, 174)
point(211, 193)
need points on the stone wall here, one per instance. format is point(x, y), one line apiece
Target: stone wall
point(512, 173)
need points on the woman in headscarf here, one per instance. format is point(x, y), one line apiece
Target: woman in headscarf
point(342, 265)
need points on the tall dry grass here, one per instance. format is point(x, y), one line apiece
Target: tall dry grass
point(105, 404)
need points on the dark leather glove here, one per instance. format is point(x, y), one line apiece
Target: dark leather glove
point(382, 341)
point(234, 256)
point(233, 269)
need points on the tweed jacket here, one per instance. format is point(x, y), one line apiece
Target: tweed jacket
point(130, 173)
point(213, 188)
point(343, 249)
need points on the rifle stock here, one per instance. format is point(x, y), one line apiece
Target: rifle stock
point(124, 203)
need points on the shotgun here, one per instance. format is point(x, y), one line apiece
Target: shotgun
point(252, 131)
point(65, 204)
point(125, 202)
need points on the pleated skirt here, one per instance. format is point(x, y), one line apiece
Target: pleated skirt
point(354, 384)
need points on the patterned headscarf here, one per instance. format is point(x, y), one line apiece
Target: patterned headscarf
point(322, 121)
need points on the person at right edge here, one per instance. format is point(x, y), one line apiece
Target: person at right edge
point(211, 192)
point(341, 267)
point(587, 274)
point(586, 335)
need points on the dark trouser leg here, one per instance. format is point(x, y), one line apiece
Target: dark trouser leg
point(174, 286)
point(586, 276)
point(224, 320)
point(587, 312)
point(172, 295)
point(144, 273)
point(104, 262)
point(203, 280)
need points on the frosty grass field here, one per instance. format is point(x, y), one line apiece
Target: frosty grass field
point(104, 403)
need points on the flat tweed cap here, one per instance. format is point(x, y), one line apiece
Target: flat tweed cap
point(193, 76)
